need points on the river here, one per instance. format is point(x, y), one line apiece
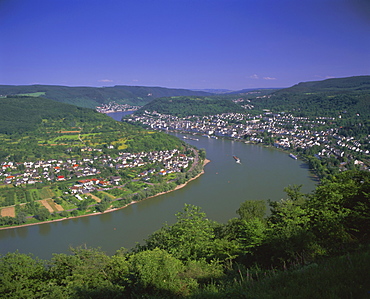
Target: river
point(262, 174)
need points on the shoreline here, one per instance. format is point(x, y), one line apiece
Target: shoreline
point(206, 161)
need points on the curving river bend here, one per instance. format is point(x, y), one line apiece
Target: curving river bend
point(262, 174)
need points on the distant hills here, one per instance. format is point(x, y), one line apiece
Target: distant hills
point(347, 84)
point(332, 97)
point(92, 97)
point(329, 97)
point(34, 128)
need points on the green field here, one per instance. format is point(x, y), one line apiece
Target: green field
point(31, 94)
point(45, 193)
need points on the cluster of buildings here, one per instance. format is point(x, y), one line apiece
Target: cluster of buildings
point(45, 171)
point(114, 107)
point(286, 131)
point(60, 170)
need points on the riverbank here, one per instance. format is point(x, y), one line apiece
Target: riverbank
point(206, 161)
point(315, 175)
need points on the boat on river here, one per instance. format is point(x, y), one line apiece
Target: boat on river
point(237, 160)
point(190, 138)
point(293, 156)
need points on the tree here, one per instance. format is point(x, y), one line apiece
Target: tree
point(190, 237)
point(22, 277)
point(252, 209)
point(288, 237)
point(42, 214)
point(20, 217)
point(157, 272)
point(340, 209)
point(84, 274)
point(83, 205)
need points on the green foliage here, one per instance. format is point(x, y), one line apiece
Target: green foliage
point(104, 204)
point(190, 237)
point(157, 272)
point(40, 129)
point(42, 214)
point(85, 274)
point(320, 239)
point(340, 96)
point(340, 209)
point(91, 97)
point(252, 209)
point(21, 276)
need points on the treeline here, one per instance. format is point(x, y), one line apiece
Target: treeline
point(91, 97)
point(348, 98)
point(346, 105)
point(24, 114)
point(309, 246)
point(355, 83)
point(185, 106)
point(33, 128)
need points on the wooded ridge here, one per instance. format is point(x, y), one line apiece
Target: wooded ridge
point(92, 97)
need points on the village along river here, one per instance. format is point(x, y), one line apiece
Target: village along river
point(262, 174)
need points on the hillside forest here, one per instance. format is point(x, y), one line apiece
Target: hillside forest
point(309, 246)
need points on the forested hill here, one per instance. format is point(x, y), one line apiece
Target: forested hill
point(348, 84)
point(24, 114)
point(37, 128)
point(92, 97)
point(185, 106)
point(348, 97)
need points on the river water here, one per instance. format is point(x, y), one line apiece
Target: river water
point(262, 174)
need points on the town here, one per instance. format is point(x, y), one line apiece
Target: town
point(115, 107)
point(282, 130)
point(28, 173)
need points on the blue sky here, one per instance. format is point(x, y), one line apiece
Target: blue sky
point(232, 44)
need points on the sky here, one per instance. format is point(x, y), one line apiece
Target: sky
point(192, 44)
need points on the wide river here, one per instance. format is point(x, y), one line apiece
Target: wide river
point(262, 174)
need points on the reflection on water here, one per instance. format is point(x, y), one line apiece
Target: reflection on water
point(85, 220)
point(106, 217)
point(44, 229)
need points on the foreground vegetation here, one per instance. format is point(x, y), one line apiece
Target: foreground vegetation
point(310, 246)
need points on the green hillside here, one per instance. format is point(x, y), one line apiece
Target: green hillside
point(184, 106)
point(37, 128)
point(310, 246)
point(92, 97)
point(348, 97)
point(356, 83)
